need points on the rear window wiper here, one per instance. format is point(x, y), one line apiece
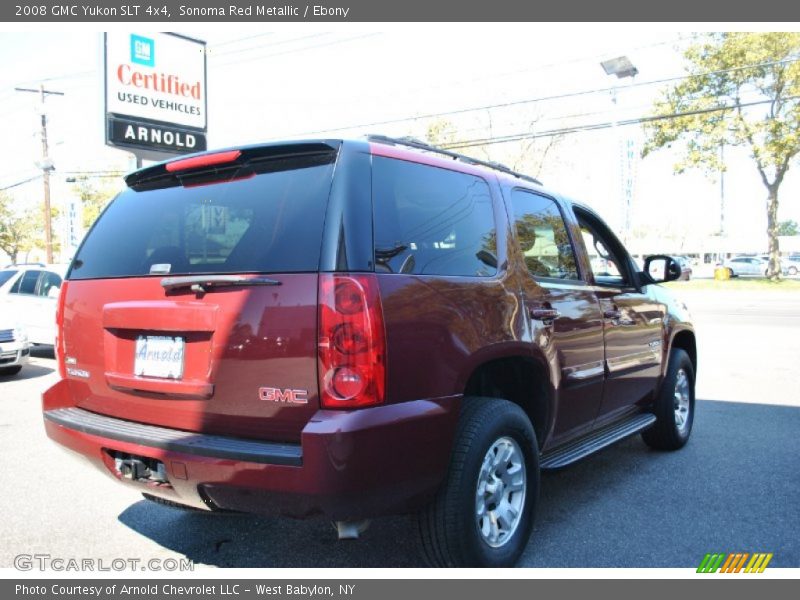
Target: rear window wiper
point(202, 283)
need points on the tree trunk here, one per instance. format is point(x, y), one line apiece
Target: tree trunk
point(774, 264)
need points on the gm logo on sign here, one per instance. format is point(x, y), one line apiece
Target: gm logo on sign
point(735, 562)
point(143, 51)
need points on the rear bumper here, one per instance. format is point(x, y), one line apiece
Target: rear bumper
point(349, 465)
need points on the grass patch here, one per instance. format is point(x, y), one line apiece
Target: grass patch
point(743, 284)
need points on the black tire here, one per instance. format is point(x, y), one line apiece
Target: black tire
point(449, 525)
point(668, 433)
point(9, 371)
point(792, 271)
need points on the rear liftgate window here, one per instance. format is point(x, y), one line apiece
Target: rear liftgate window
point(432, 221)
point(265, 216)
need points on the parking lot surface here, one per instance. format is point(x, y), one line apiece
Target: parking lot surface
point(733, 488)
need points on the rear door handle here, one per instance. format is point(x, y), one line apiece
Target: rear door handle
point(544, 314)
point(612, 314)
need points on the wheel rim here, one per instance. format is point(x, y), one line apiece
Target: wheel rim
point(682, 401)
point(500, 494)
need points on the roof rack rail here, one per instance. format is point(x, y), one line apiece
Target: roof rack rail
point(420, 145)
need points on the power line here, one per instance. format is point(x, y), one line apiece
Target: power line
point(542, 98)
point(495, 74)
point(604, 125)
point(295, 50)
point(259, 47)
point(242, 39)
point(19, 183)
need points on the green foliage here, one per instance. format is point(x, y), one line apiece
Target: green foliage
point(735, 71)
point(743, 90)
point(18, 231)
point(94, 198)
point(788, 228)
point(441, 133)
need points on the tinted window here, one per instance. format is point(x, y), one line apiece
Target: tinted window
point(6, 275)
point(50, 283)
point(265, 217)
point(542, 236)
point(26, 284)
point(432, 221)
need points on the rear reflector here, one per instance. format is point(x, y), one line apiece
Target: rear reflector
point(352, 343)
point(204, 160)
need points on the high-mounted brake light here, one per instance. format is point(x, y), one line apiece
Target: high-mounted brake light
point(205, 160)
point(352, 342)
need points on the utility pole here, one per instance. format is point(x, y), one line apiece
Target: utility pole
point(722, 189)
point(623, 68)
point(46, 166)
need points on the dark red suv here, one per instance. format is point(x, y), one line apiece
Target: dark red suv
point(359, 328)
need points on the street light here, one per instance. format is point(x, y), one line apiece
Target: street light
point(622, 67)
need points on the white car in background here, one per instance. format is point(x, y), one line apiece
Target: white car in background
point(15, 349)
point(790, 266)
point(753, 266)
point(28, 297)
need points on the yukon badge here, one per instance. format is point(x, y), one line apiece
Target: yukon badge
point(287, 396)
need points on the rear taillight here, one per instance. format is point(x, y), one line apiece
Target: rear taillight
point(59, 348)
point(352, 344)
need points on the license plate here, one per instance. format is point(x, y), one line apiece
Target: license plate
point(159, 356)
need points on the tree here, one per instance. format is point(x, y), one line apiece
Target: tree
point(527, 156)
point(788, 228)
point(94, 199)
point(17, 231)
point(743, 89)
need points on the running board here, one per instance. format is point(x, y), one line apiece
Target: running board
point(594, 441)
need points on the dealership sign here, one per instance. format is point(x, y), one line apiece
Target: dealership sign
point(155, 93)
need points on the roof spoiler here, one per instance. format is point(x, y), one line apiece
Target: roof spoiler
point(222, 160)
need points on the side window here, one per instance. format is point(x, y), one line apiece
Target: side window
point(432, 221)
point(49, 284)
point(26, 284)
point(607, 266)
point(542, 236)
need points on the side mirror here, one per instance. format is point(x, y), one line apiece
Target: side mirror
point(487, 258)
point(53, 292)
point(660, 268)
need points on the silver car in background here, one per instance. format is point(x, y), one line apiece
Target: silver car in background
point(749, 266)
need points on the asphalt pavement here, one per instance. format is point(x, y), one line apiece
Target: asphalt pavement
point(733, 488)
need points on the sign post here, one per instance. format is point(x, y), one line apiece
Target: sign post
point(155, 94)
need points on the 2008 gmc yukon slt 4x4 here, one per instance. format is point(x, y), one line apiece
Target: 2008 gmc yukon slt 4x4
point(360, 328)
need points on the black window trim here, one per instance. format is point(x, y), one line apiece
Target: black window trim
point(581, 280)
point(629, 282)
point(35, 287)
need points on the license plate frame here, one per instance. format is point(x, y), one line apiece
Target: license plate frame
point(159, 356)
